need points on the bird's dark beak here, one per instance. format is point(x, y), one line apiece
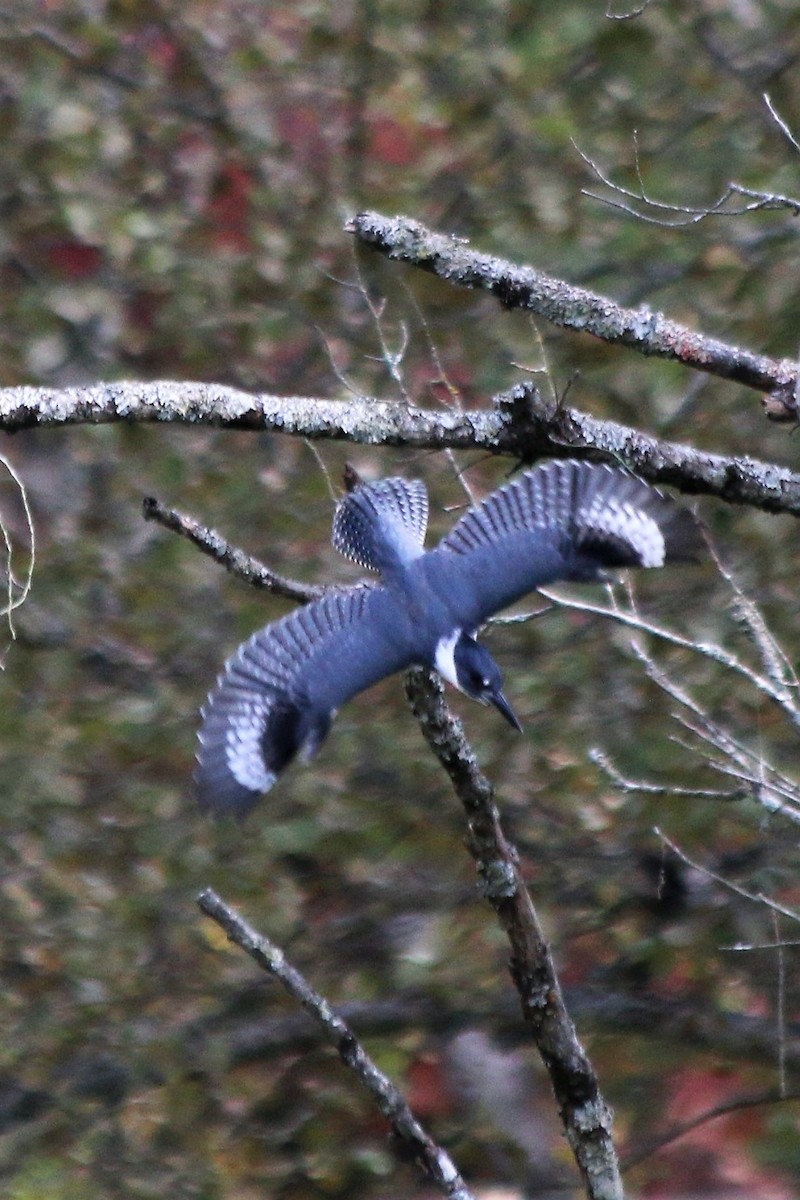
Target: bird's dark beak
point(501, 704)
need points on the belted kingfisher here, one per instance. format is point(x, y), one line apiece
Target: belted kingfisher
point(279, 693)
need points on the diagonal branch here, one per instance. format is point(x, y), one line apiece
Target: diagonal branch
point(584, 1113)
point(435, 1162)
point(571, 307)
point(680, 1128)
point(239, 564)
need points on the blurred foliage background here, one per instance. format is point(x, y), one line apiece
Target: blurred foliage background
point(174, 182)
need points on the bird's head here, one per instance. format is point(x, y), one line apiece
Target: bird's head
point(469, 665)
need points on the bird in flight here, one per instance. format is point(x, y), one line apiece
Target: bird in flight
point(278, 694)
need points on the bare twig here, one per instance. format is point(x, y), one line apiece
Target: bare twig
point(584, 1113)
point(17, 591)
point(443, 378)
point(780, 1000)
point(772, 947)
point(435, 1162)
point(725, 753)
point(779, 121)
point(640, 787)
point(769, 787)
point(776, 911)
point(627, 16)
point(753, 897)
point(776, 663)
point(680, 1128)
point(680, 215)
point(779, 693)
point(392, 359)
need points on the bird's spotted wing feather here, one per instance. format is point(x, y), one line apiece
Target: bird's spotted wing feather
point(280, 691)
point(381, 525)
point(563, 520)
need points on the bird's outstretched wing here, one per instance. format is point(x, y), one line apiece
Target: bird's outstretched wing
point(278, 694)
point(381, 525)
point(562, 520)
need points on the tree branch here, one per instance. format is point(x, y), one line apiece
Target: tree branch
point(435, 1162)
point(358, 419)
point(584, 1113)
point(535, 427)
point(570, 307)
point(235, 561)
point(519, 423)
point(680, 1128)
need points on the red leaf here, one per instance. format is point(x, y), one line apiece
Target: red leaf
point(75, 259)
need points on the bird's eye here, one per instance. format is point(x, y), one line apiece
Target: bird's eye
point(485, 682)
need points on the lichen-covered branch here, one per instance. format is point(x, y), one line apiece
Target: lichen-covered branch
point(436, 1163)
point(357, 419)
point(519, 423)
point(536, 427)
point(571, 307)
point(584, 1113)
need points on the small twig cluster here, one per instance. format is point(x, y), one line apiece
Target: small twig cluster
point(719, 748)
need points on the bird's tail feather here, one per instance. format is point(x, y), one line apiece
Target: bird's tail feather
point(382, 525)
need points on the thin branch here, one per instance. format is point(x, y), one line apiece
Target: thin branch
point(753, 897)
point(570, 307)
point(338, 371)
point(779, 121)
point(17, 591)
point(242, 565)
point(692, 215)
point(544, 367)
point(640, 787)
point(627, 16)
point(681, 215)
point(518, 423)
point(772, 947)
point(435, 1162)
point(756, 778)
point(680, 1128)
point(767, 786)
point(780, 1001)
point(391, 359)
point(443, 378)
point(584, 1113)
point(776, 662)
point(781, 695)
